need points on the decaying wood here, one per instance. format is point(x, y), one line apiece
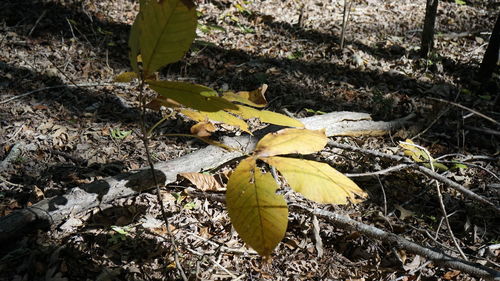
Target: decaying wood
point(51, 212)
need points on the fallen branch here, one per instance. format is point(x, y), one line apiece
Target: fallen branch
point(51, 212)
point(424, 170)
point(439, 258)
point(381, 235)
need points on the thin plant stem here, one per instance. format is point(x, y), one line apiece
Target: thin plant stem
point(145, 140)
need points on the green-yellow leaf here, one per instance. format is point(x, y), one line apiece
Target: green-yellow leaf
point(258, 214)
point(162, 33)
point(290, 140)
point(438, 166)
point(125, 77)
point(194, 115)
point(191, 95)
point(417, 154)
point(317, 181)
point(459, 166)
point(266, 116)
point(420, 156)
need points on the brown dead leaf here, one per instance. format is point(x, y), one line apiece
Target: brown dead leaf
point(254, 98)
point(203, 182)
point(40, 107)
point(38, 193)
point(105, 131)
point(8, 207)
point(451, 274)
point(404, 213)
point(203, 129)
point(167, 196)
point(205, 233)
point(59, 131)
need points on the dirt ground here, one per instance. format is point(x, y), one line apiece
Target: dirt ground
point(58, 99)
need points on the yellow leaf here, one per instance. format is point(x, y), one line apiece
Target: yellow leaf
point(194, 115)
point(253, 98)
point(288, 141)
point(316, 181)
point(226, 118)
point(191, 95)
point(162, 33)
point(258, 214)
point(218, 116)
point(203, 129)
point(266, 116)
point(202, 181)
point(125, 77)
point(419, 155)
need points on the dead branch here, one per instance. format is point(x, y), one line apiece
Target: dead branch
point(439, 258)
point(51, 212)
point(424, 170)
point(345, 222)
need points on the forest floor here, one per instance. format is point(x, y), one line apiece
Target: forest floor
point(58, 100)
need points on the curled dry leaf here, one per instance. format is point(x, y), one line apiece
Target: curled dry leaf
point(203, 129)
point(254, 98)
point(203, 182)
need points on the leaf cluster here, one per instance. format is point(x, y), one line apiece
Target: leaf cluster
point(161, 34)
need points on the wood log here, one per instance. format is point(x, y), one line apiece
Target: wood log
point(52, 212)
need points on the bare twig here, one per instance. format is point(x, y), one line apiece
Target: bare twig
point(466, 158)
point(466, 108)
point(37, 22)
point(145, 140)
point(483, 130)
point(221, 247)
point(345, 20)
point(383, 194)
point(377, 173)
point(466, 192)
point(440, 197)
point(400, 242)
